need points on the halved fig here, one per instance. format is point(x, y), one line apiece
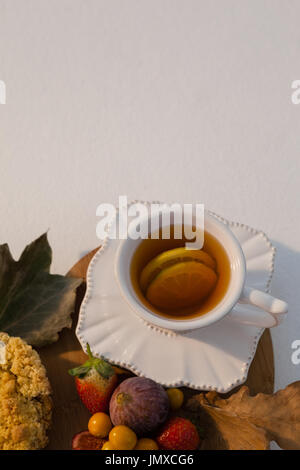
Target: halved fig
point(86, 441)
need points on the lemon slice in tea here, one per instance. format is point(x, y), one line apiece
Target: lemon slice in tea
point(169, 258)
point(182, 285)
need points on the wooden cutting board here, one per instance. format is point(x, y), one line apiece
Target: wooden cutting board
point(69, 415)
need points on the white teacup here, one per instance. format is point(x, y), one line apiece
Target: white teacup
point(270, 311)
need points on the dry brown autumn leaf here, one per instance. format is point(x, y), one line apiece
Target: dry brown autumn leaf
point(249, 423)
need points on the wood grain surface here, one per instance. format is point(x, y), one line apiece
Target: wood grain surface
point(69, 415)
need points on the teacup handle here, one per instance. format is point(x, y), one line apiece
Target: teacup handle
point(272, 311)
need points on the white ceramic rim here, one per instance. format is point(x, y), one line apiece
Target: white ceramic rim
point(233, 249)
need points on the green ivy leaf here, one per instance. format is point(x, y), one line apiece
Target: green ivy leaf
point(34, 304)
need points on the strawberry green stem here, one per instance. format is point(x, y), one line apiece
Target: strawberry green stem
point(89, 351)
point(102, 367)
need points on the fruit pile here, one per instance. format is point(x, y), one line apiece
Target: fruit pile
point(136, 414)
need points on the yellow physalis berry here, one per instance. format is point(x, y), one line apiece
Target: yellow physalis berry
point(146, 444)
point(107, 446)
point(176, 398)
point(100, 425)
point(122, 438)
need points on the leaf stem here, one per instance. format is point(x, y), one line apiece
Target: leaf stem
point(89, 351)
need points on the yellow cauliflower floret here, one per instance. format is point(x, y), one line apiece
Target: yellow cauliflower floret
point(25, 401)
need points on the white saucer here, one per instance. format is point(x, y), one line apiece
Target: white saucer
point(217, 357)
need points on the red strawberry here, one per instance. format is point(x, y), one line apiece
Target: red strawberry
point(95, 382)
point(178, 434)
point(86, 441)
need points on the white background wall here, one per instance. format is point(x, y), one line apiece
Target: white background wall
point(167, 99)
